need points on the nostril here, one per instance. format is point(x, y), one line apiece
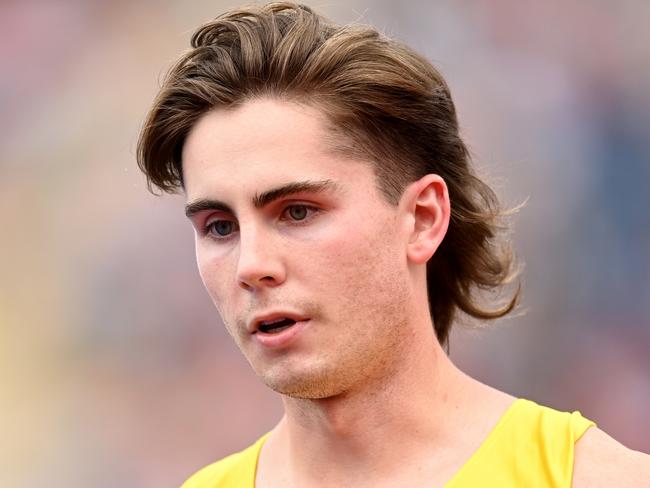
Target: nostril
point(244, 285)
point(250, 283)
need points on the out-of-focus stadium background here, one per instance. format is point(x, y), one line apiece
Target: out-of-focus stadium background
point(114, 367)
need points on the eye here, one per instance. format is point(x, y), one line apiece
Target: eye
point(298, 212)
point(221, 228)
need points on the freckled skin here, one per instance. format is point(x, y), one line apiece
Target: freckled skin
point(345, 268)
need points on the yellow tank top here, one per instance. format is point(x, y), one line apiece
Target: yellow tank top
point(531, 445)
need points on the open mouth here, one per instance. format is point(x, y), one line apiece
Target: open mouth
point(275, 326)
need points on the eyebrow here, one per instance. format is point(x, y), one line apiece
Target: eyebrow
point(265, 198)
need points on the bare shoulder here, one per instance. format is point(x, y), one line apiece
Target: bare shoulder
point(601, 460)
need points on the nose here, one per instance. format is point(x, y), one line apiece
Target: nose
point(259, 264)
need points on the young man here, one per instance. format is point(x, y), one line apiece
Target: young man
point(339, 228)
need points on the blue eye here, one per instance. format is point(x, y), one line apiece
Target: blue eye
point(221, 228)
point(298, 212)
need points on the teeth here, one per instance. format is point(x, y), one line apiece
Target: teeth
point(271, 326)
point(270, 322)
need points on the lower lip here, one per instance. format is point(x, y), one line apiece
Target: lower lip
point(282, 338)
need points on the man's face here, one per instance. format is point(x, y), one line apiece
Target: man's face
point(287, 229)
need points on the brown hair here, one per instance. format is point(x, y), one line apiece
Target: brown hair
point(388, 104)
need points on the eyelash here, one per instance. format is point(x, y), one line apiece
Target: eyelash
point(311, 212)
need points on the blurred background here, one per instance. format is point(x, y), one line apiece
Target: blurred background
point(114, 367)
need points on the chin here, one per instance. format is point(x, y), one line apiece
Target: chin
point(312, 384)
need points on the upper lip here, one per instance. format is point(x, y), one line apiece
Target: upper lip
point(254, 324)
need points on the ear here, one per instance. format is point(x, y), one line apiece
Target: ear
point(427, 202)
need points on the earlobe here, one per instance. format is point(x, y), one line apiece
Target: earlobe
point(430, 208)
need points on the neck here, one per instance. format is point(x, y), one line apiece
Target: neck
point(415, 410)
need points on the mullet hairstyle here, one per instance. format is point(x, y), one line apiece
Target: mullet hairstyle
point(383, 102)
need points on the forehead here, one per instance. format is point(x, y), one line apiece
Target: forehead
point(263, 143)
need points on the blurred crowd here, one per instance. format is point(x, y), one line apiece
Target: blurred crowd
point(115, 368)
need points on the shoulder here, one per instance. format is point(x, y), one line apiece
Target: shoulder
point(214, 474)
point(600, 460)
point(234, 471)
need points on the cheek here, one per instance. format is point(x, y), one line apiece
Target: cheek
point(214, 274)
point(359, 257)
